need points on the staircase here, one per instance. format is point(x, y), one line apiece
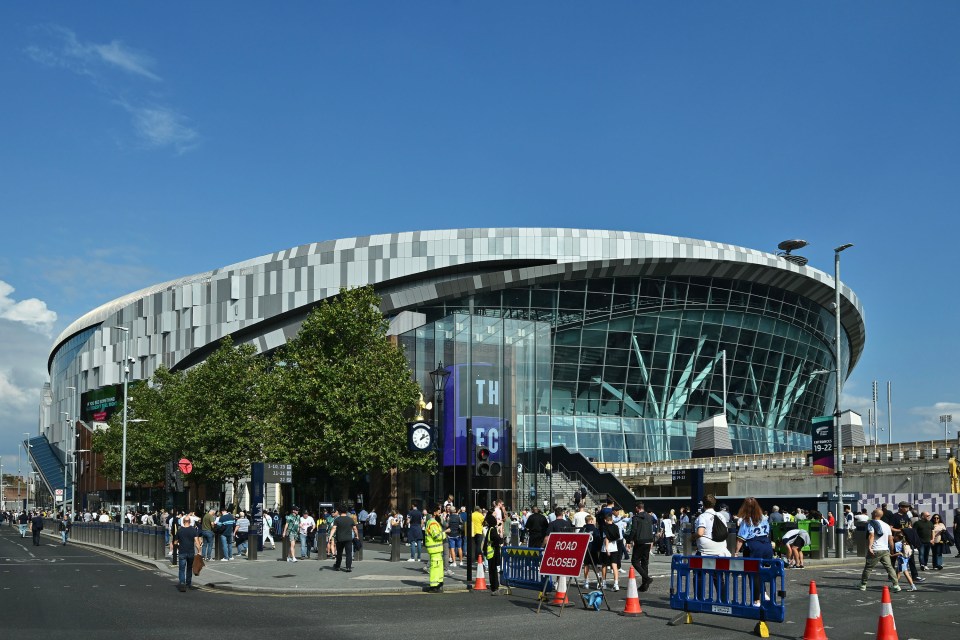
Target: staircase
point(573, 470)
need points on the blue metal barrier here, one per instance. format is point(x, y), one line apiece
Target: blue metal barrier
point(520, 568)
point(728, 586)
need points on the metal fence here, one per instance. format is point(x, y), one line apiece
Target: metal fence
point(142, 540)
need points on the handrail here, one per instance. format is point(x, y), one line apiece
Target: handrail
point(924, 450)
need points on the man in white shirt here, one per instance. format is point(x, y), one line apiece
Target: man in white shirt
point(879, 548)
point(579, 519)
point(703, 530)
point(370, 530)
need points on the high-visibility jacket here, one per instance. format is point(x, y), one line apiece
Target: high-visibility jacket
point(433, 537)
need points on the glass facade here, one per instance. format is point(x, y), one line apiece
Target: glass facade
point(635, 363)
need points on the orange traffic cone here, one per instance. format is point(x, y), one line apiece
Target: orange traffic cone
point(887, 626)
point(814, 629)
point(560, 597)
point(480, 584)
point(632, 607)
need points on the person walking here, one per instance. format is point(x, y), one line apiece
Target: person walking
point(36, 526)
point(291, 529)
point(879, 548)
point(343, 532)
point(641, 539)
point(902, 551)
point(188, 540)
point(268, 530)
point(433, 537)
point(63, 526)
point(22, 521)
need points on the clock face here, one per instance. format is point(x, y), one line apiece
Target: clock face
point(421, 438)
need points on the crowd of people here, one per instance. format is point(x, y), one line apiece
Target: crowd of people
point(904, 542)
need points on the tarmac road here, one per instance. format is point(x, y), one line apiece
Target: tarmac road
point(54, 591)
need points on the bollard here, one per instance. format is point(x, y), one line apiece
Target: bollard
point(394, 548)
point(322, 545)
point(358, 553)
point(686, 536)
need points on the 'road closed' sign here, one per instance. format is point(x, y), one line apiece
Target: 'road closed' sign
point(564, 554)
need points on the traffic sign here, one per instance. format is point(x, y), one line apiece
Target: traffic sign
point(58, 493)
point(564, 554)
point(185, 465)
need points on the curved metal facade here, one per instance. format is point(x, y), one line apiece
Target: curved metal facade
point(638, 319)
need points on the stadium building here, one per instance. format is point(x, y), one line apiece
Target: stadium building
point(612, 343)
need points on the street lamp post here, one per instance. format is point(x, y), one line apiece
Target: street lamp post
point(66, 453)
point(549, 469)
point(27, 446)
point(838, 437)
point(946, 420)
point(123, 455)
point(439, 378)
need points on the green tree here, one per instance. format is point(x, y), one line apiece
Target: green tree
point(151, 430)
point(341, 391)
point(222, 426)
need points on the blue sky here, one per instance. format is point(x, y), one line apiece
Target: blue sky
point(147, 141)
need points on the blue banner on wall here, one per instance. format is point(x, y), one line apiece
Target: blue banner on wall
point(480, 384)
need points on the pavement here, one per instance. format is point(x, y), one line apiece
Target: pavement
point(375, 574)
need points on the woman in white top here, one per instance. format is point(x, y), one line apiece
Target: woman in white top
point(703, 530)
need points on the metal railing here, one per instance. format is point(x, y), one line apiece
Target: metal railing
point(923, 451)
point(142, 540)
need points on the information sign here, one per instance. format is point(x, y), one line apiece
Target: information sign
point(564, 554)
point(282, 473)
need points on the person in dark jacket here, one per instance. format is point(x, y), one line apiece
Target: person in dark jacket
point(36, 526)
point(536, 528)
point(491, 551)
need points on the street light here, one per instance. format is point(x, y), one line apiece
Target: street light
point(66, 452)
point(946, 420)
point(549, 469)
point(439, 378)
point(838, 439)
point(27, 446)
point(123, 455)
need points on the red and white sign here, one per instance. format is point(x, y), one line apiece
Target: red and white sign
point(564, 554)
point(185, 465)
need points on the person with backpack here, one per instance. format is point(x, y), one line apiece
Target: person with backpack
point(641, 541)
point(710, 530)
point(224, 528)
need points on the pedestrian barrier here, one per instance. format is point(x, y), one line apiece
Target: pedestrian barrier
point(728, 587)
point(520, 568)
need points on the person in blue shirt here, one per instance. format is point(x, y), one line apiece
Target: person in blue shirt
point(754, 534)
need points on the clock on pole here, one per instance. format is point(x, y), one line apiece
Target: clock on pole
point(419, 436)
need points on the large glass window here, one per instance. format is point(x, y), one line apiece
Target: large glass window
point(637, 362)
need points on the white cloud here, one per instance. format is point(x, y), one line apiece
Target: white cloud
point(31, 312)
point(157, 125)
point(12, 396)
point(90, 58)
point(927, 426)
point(163, 127)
